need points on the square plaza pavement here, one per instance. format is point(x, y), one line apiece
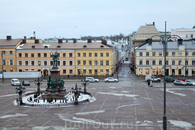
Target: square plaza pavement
point(129, 104)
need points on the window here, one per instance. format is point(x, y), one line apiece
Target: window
point(20, 63)
point(64, 71)
point(70, 54)
point(167, 53)
point(140, 54)
point(107, 54)
point(90, 62)
point(96, 62)
point(90, 71)
point(64, 54)
point(45, 54)
point(153, 62)
point(32, 63)
point(147, 62)
point(70, 63)
point(193, 62)
point(95, 54)
point(153, 53)
point(90, 55)
point(11, 62)
point(4, 61)
point(140, 62)
point(39, 54)
point(84, 62)
point(84, 54)
point(191, 35)
point(186, 62)
point(51, 63)
point(186, 35)
point(26, 63)
point(58, 54)
point(26, 54)
point(173, 62)
point(20, 70)
point(160, 53)
point(10, 52)
point(20, 54)
point(64, 63)
point(160, 62)
point(58, 63)
point(179, 71)
point(101, 54)
point(45, 63)
point(78, 62)
point(39, 63)
point(101, 62)
point(193, 53)
point(78, 54)
point(70, 71)
point(180, 53)
point(3, 52)
point(173, 53)
point(84, 71)
point(167, 62)
point(107, 62)
point(32, 55)
point(179, 62)
point(147, 53)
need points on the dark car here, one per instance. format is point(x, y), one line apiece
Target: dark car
point(179, 82)
point(169, 79)
point(25, 83)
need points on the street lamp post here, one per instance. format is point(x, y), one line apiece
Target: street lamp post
point(76, 92)
point(20, 90)
point(38, 82)
point(164, 41)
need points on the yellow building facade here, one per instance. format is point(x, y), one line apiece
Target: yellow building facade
point(177, 62)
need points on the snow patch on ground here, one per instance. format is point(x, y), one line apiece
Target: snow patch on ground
point(8, 95)
point(126, 106)
point(179, 94)
point(91, 112)
point(16, 115)
point(181, 124)
point(118, 94)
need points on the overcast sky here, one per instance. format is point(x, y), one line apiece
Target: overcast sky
point(76, 18)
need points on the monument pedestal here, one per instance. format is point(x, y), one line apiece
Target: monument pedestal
point(56, 92)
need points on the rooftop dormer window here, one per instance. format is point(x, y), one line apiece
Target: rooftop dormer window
point(84, 46)
point(33, 47)
point(58, 46)
point(101, 46)
point(45, 46)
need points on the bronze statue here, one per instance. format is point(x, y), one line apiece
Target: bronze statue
point(53, 83)
point(48, 81)
point(55, 60)
point(61, 83)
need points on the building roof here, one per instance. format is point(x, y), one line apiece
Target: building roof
point(69, 46)
point(190, 45)
point(12, 42)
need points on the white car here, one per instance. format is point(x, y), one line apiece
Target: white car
point(110, 79)
point(190, 82)
point(91, 79)
point(15, 82)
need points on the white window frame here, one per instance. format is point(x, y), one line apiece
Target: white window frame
point(10, 61)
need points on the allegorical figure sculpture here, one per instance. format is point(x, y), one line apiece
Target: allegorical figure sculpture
point(55, 60)
point(48, 81)
point(53, 83)
point(61, 83)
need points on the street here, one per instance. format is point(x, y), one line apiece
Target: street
point(129, 104)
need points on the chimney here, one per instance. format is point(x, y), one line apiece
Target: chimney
point(36, 40)
point(59, 40)
point(24, 37)
point(9, 37)
point(89, 41)
point(74, 40)
point(154, 23)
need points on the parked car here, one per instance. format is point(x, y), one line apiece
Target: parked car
point(25, 83)
point(179, 82)
point(149, 77)
point(15, 82)
point(110, 79)
point(190, 82)
point(91, 79)
point(169, 79)
point(182, 78)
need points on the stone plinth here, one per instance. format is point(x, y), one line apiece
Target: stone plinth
point(55, 72)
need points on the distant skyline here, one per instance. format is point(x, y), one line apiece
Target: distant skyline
point(76, 18)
